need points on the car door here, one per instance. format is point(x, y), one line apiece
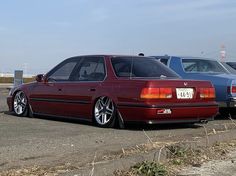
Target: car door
point(48, 96)
point(85, 83)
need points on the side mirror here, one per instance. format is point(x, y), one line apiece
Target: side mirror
point(39, 78)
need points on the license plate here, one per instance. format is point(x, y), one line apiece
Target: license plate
point(184, 93)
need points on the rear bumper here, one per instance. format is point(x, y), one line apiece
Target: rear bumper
point(179, 113)
point(180, 121)
point(231, 103)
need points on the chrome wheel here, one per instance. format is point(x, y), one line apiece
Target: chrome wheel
point(104, 111)
point(20, 103)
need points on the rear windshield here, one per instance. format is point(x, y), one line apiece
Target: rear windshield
point(142, 67)
point(202, 65)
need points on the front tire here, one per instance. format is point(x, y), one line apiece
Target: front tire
point(104, 112)
point(20, 104)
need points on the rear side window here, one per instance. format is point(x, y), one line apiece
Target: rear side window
point(202, 65)
point(122, 66)
point(232, 64)
point(164, 61)
point(90, 69)
point(140, 67)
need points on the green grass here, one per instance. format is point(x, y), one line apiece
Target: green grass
point(150, 168)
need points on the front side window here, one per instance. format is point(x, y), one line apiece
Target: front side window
point(141, 67)
point(91, 69)
point(63, 71)
point(201, 65)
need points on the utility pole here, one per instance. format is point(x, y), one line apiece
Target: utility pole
point(222, 53)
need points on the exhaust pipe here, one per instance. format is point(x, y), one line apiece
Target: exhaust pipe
point(204, 121)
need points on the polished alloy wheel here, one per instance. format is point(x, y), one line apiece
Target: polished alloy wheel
point(20, 103)
point(104, 111)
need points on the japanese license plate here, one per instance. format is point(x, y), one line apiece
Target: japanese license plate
point(184, 93)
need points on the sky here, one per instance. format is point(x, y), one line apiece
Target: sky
point(35, 35)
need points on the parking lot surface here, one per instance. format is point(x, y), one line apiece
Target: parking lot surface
point(50, 142)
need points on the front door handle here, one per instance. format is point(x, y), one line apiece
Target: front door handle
point(59, 89)
point(92, 89)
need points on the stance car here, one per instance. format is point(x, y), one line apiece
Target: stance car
point(108, 89)
point(206, 69)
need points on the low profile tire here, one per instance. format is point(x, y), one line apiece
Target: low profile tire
point(20, 104)
point(104, 112)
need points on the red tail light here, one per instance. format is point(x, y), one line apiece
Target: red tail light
point(152, 93)
point(233, 89)
point(207, 93)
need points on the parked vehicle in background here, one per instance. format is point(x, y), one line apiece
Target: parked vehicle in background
point(229, 68)
point(206, 69)
point(105, 89)
point(232, 64)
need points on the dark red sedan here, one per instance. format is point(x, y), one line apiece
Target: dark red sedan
point(109, 89)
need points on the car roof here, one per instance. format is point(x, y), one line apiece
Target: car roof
point(187, 57)
point(109, 56)
point(192, 57)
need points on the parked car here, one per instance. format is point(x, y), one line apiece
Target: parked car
point(105, 89)
point(232, 64)
point(229, 68)
point(206, 69)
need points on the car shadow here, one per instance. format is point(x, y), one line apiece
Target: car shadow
point(152, 127)
point(6, 112)
point(58, 119)
point(128, 126)
point(65, 120)
point(226, 116)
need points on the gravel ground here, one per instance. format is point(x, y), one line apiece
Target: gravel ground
point(48, 142)
point(225, 167)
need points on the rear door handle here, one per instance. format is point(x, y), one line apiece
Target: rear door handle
point(60, 89)
point(92, 89)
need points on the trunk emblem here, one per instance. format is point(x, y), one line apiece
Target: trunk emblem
point(185, 83)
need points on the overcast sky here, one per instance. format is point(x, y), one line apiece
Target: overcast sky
point(41, 33)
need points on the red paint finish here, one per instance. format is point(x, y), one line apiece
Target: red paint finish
point(134, 97)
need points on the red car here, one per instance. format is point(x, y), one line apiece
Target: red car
point(109, 89)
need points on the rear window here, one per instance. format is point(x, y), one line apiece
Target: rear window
point(202, 65)
point(232, 64)
point(143, 67)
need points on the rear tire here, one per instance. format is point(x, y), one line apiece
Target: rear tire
point(104, 112)
point(20, 104)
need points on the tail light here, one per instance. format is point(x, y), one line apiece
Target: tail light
point(207, 93)
point(233, 89)
point(156, 93)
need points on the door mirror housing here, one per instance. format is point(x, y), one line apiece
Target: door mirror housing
point(39, 78)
